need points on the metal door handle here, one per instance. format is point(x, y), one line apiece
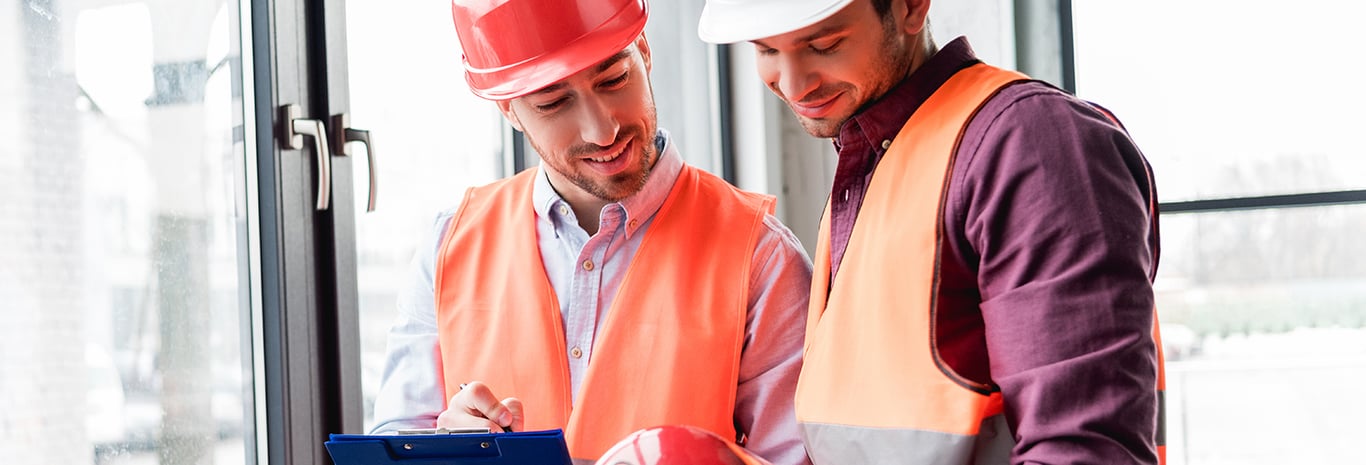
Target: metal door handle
point(343, 133)
point(293, 129)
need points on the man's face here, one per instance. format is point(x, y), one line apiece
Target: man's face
point(594, 130)
point(828, 71)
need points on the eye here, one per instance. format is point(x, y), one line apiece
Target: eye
point(765, 51)
point(615, 82)
point(552, 105)
point(826, 47)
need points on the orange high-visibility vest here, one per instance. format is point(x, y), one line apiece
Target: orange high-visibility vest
point(871, 388)
point(669, 349)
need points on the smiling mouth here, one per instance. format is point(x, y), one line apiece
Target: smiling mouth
point(815, 109)
point(609, 157)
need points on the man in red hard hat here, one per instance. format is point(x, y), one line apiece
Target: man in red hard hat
point(982, 290)
point(612, 289)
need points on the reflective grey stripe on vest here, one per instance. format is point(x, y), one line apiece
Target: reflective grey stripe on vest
point(829, 444)
point(1161, 418)
point(584, 462)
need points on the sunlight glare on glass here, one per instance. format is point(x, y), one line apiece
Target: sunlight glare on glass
point(113, 57)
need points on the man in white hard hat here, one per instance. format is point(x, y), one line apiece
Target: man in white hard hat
point(982, 291)
point(611, 289)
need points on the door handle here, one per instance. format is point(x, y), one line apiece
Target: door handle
point(342, 132)
point(292, 130)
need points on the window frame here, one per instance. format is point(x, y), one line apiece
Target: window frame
point(308, 375)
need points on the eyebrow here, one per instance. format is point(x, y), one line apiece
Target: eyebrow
point(612, 60)
point(602, 66)
point(549, 88)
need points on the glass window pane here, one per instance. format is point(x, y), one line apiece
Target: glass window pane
point(124, 285)
point(1264, 323)
point(434, 139)
point(1231, 98)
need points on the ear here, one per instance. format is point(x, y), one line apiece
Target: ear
point(912, 14)
point(644, 47)
point(505, 106)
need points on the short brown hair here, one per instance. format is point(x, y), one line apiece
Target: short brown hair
point(883, 7)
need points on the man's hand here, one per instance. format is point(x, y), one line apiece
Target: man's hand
point(476, 406)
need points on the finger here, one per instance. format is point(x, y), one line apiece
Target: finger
point(462, 410)
point(478, 400)
point(514, 407)
point(459, 418)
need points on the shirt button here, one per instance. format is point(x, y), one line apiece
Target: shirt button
point(576, 352)
point(564, 210)
point(588, 265)
point(632, 223)
point(886, 143)
point(846, 195)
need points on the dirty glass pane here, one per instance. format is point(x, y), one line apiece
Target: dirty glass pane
point(124, 298)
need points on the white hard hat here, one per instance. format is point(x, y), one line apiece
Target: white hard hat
point(729, 21)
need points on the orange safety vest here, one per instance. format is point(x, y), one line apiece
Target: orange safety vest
point(669, 349)
point(872, 389)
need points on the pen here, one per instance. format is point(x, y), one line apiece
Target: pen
point(506, 429)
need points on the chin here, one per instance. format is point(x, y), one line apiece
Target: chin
point(820, 128)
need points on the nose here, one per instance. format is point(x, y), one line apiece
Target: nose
point(598, 119)
point(794, 79)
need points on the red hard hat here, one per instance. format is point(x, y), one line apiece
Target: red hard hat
point(677, 445)
point(515, 47)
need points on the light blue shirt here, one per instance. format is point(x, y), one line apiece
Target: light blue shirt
point(412, 396)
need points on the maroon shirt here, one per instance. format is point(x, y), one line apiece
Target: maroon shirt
point(1048, 253)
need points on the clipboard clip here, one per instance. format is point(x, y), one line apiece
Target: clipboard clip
point(460, 430)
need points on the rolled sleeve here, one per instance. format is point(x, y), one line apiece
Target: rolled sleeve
point(780, 288)
point(1054, 206)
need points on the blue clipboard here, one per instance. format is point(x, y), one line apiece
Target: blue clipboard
point(530, 447)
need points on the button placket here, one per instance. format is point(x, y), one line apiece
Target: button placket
point(591, 259)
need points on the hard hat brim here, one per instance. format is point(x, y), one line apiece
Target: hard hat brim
point(734, 22)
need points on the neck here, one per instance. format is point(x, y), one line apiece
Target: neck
point(587, 207)
point(921, 52)
point(588, 213)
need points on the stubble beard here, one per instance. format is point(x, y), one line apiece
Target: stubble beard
point(823, 127)
point(619, 186)
point(626, 184)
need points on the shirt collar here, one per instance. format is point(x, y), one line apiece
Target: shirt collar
point(638, 207)
point(883, 118)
